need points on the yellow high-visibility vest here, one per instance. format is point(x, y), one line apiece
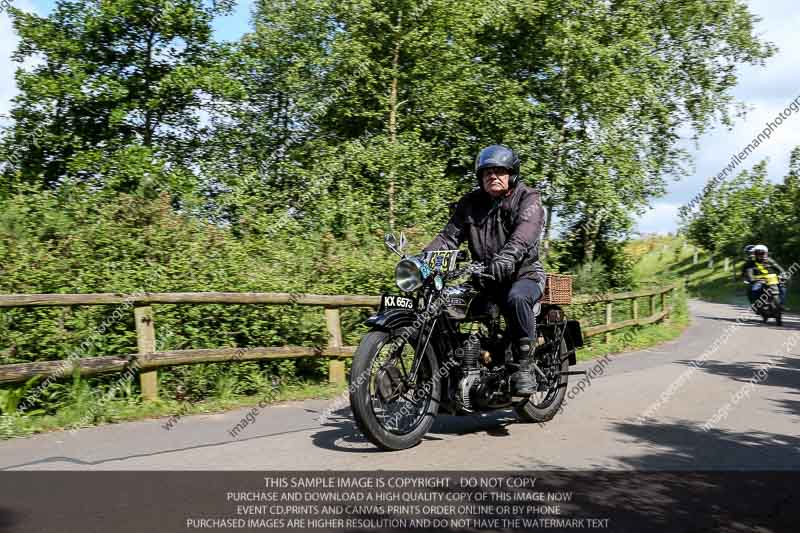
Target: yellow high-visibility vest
point(764, 274)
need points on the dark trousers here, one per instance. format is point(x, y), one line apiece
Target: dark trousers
point(516, 301)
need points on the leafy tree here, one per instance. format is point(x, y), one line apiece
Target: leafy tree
point(749, 209)
point(116, 95)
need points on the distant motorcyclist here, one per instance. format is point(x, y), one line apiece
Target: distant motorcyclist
point(747, 251)
point(502, 222)
point(763, 270)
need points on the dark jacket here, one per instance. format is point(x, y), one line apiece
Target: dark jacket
point(512, 224)
point(750, 271)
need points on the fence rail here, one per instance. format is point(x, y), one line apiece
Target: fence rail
point(148, 360)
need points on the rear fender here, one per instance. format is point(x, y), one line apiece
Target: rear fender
point(573, 337)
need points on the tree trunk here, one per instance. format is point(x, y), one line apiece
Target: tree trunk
point(149, 127)
point(590, 234)
point(393, 120)
point(548, 223)
point(552, 172)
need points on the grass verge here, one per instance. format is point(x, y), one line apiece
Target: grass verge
point(668, 259)
point(125, 410)
point(639, 337)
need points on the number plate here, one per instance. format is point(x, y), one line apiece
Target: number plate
point(441, 260)
point(390, 301)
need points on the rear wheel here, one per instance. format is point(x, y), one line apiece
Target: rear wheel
point(544, 404)
point(393, 411)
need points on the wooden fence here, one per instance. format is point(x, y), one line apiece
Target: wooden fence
point(147, 360)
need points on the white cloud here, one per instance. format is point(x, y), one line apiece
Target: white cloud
point(659, 219)
point(8, 43)
point(766, 91)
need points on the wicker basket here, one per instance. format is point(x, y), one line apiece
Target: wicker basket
point(558, 289)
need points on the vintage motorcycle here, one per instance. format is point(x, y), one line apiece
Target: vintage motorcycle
point(768, 304)
point(437, 349)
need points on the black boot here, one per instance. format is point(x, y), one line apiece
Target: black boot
point(522, 381)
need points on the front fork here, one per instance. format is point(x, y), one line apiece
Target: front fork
point(426, 329)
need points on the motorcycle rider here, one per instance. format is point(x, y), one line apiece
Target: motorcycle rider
point(502, 222)
point(758, 268)
point(748, 256)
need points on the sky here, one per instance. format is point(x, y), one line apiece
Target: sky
point(765, 90)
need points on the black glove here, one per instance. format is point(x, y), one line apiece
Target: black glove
point(502, 266)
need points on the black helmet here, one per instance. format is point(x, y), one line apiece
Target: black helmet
point(497, 155)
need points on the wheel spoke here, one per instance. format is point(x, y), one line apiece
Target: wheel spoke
point(401, 410)
point(417, 402)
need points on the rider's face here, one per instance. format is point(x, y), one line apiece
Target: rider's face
point(760, 255)
point(495, 180)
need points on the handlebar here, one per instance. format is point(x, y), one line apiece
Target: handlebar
point(472, 269)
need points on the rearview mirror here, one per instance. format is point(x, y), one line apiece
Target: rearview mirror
point(391, 243)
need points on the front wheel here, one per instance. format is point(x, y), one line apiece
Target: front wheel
point(393, 411)
point(543, 405)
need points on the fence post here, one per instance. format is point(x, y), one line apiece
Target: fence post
point(609, 319)
point(672, 292)
point(711, 262)
point(727, 264)
point(694, 259)
point(664, 305)
point(635, 308)
point(652, 304)
point(146, 343)
point(335, 365)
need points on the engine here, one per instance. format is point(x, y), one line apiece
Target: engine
point(479, 387)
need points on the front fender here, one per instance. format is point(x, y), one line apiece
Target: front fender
point(391, 319)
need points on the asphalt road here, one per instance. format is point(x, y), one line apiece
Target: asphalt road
point(600, 428)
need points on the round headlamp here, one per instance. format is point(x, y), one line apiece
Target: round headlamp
point(408, 274)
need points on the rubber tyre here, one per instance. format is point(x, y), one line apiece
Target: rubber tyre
point(364, 416)
point(530, 413)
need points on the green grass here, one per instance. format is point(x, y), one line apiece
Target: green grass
point(639, 337)
point(118, 410)
point(709, 283)
point(656, 260)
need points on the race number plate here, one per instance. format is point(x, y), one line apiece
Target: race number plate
point(390, 301)
point(441, 260)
